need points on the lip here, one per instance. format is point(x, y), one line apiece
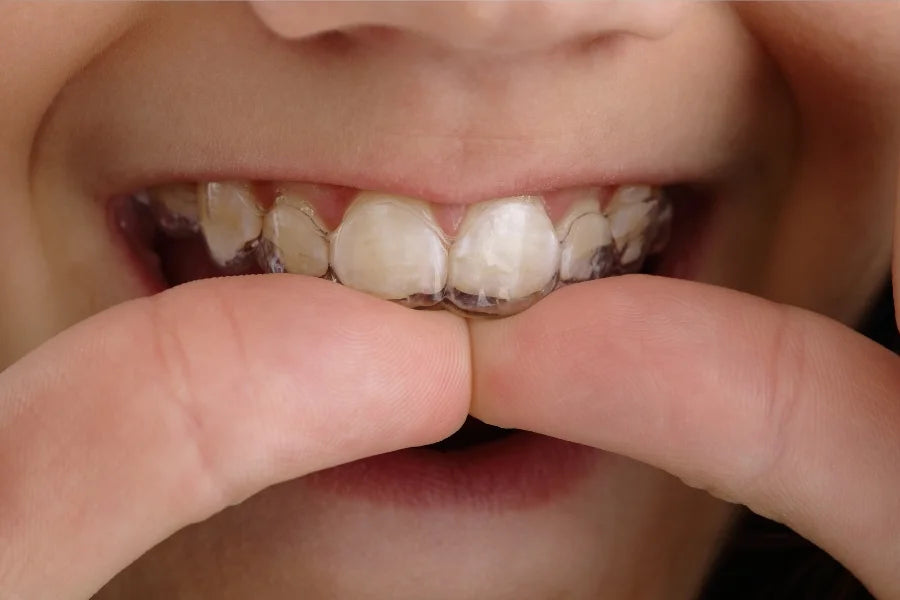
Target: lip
point(504, 182)
point(426, 163)
point(426, 166)
point(271, 110)
point(522, 471)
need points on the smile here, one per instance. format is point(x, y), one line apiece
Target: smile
point(491, 258)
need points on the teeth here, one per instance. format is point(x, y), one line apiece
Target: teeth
point(231, 220)
point(294, 239)
point(175, 208)
point(587, 250)
point(507, 253)
point(390, 247)
point(506, 250)
point(630, 213)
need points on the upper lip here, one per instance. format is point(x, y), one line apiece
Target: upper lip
point(440, 166)
point(441, 133)
point(436, 177)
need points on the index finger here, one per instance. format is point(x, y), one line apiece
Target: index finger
point(774, 407)
point(162, 411)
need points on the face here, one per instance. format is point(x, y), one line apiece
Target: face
point(773, 128)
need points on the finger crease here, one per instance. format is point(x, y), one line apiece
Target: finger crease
point(175, 361)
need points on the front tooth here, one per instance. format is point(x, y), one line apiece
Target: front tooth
point(294, 239)
point(230, 219)
point(587, 250)
point(175, 208)
point(507, 249)
point(390, 247)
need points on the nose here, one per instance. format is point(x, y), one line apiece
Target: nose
point(504, 27)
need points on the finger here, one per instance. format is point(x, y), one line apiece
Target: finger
point(774, 407)
point(162, 411)
point(895, 263)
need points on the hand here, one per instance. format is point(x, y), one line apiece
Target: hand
point(783, 410)
point(162, 411)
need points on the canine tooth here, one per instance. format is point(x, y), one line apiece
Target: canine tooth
point(588, 203)
point(230, 218)
point(175, 208)
point(631, 194)
point(630, 214)
point(633, 250)
point(390, 247)
point(294, 239)
point(587, 250)
point(629, 210)
point(506, 249)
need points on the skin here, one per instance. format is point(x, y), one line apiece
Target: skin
point(177, 428)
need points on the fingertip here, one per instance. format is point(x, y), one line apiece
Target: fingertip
point(296, 332)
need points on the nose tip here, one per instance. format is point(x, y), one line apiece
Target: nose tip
point(483, 26)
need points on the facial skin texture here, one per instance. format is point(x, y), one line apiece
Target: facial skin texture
point(791, 113)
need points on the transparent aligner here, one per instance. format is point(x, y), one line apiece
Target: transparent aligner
point(231, 220)
point(506, 254)
point(600, 241)
point(391, 247)
point(640, 218)
point(504, 259)
point(174, 207)
point(293, 239)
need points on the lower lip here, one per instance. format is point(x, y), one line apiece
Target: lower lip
point(523, 470)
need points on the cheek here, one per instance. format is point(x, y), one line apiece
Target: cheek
point(831, 243)
point(831, 248)
point(43, 47)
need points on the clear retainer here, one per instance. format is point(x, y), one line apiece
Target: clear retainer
point(505, 256)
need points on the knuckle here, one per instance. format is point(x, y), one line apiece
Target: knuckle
point(781, 399)
point(188, 408)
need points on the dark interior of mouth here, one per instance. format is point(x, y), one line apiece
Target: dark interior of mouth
point(170, 261)
point(472, 433)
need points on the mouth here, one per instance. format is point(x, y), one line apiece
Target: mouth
point(492, 258)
